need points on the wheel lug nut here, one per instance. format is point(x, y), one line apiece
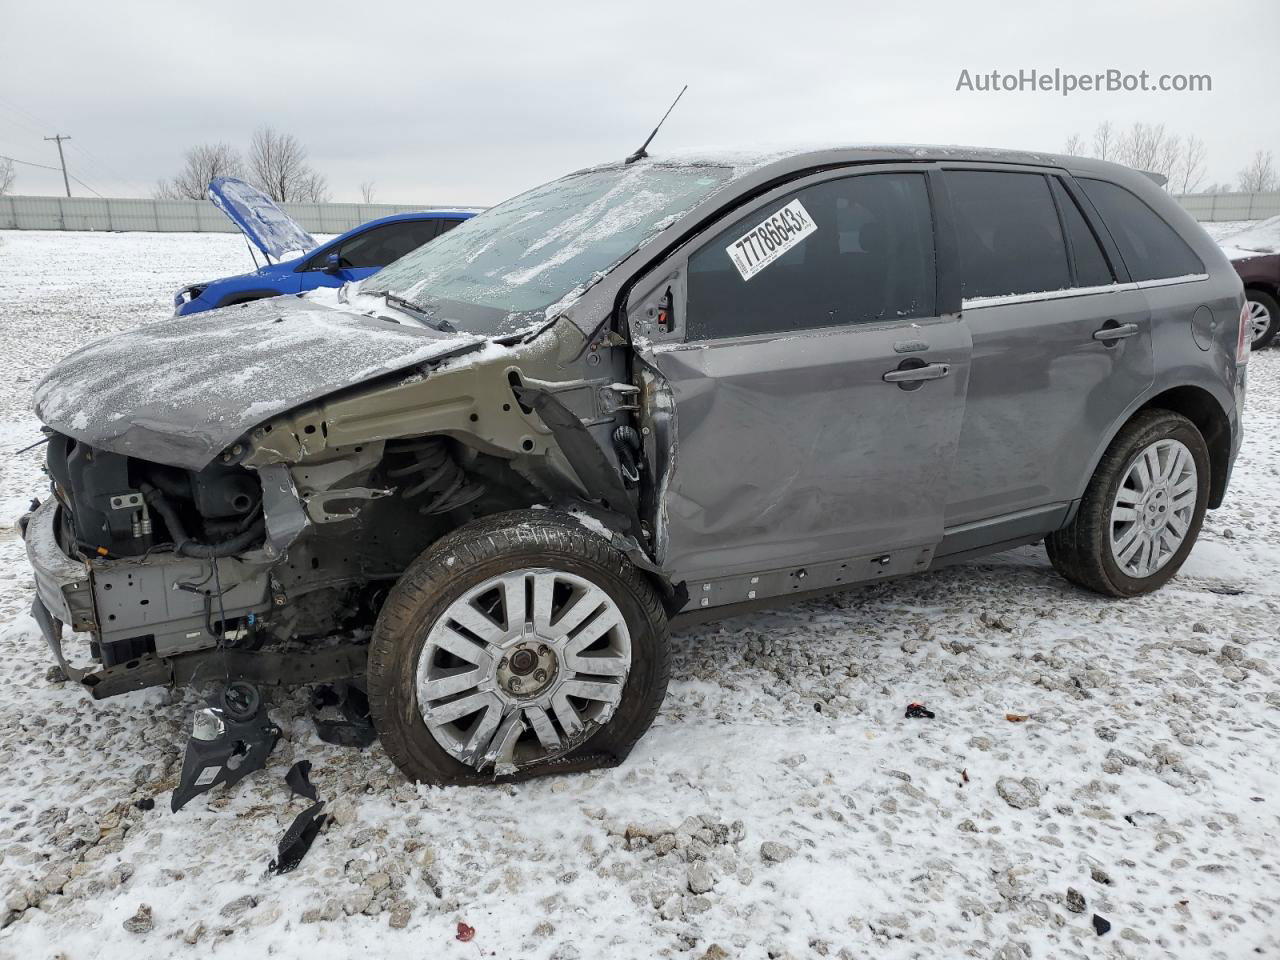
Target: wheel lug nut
point(515, 683)
point(540, 676)
point(542, 650)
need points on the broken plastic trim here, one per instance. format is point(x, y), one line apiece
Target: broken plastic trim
point(222, 750)
point(298, 838)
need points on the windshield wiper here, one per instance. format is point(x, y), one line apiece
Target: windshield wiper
point(444, 326)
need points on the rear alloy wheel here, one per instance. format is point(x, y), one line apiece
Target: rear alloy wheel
point(1142, 510)
point(1153, 508)
point(519, 644)
point(1264, 312)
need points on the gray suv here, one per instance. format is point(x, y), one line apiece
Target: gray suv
point(480, 485)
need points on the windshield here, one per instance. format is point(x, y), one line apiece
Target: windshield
point(544, 247)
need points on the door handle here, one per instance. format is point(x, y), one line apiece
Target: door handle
point(1116, 331)
point(929, 371)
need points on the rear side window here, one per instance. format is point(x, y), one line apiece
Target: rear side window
point(1008, 233)
point(1152, 250)
point(856, 250)
point(1092, 269)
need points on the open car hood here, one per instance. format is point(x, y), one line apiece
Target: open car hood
point(270, 229)
point(182, 390)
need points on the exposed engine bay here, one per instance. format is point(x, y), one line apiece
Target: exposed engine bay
point(243, 559)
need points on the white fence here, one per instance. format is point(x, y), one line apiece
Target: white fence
point(1231, 206)
point(176, 216)
point(201, 216)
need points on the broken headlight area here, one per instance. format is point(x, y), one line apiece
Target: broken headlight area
point(119, 506)
point(277, 563)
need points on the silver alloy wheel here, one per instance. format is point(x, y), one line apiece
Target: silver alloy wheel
point(1153, 508)
point(522, 668)
point(1260, 320)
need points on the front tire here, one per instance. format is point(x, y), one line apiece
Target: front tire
point(519, 644)
point(1142, 510)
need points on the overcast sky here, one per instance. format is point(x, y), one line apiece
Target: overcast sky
point(472, 102)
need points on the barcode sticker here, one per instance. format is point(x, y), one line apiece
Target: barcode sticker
point(770, 239)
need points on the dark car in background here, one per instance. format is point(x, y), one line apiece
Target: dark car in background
point(1255, 253)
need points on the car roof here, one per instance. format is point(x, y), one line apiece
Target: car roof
point(793, 158)
point(433, 213)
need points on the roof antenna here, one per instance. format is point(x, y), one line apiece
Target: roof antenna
point(641, 154)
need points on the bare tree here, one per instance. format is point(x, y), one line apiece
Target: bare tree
point(1103, 141)
point(1191, 166)
point(1074, 146)
point(1149, 147)
point(1260, 175)
point(278, 166)
point(6, 175)
point(202, 164)
point(315, 188)
point(366, 191)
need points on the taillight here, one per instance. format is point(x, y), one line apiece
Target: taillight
point(1244, 339)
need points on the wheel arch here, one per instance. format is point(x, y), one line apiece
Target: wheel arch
point(1267, 287)
point(1199, 406)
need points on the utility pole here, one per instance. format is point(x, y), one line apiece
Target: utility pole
point(65, 182)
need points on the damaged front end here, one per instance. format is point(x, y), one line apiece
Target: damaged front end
point(269, 562)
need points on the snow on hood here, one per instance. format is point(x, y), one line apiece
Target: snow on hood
point(180, 391)
point(272, 230)
point(1256, 241)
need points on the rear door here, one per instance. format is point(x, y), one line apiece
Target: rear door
point(805, 389)
point(1061, 350)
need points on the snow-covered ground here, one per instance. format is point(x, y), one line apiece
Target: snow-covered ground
point(781, 778)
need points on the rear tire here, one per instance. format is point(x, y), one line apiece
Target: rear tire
point(497, 565)
point(1264, 318)
point(1102, 549)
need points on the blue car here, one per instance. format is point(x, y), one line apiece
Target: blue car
point(352, 256)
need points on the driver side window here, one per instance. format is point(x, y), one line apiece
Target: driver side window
point(854, 250)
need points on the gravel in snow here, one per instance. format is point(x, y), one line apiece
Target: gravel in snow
point(781, 806)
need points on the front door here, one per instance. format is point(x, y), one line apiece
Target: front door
point(817, 392)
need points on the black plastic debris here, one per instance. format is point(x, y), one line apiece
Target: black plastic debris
point(341, 715)
point(298, 838)
point(145, 803)
point(918, 711)
point(1100, 925)
point(222, 748)
point(299, 780)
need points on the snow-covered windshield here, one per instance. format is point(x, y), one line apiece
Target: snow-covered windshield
point(540, 249)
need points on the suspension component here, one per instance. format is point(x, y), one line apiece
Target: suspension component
point(433, 472)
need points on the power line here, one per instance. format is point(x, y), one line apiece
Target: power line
point(104, 170)
point(28, 163)
point(45, 166)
